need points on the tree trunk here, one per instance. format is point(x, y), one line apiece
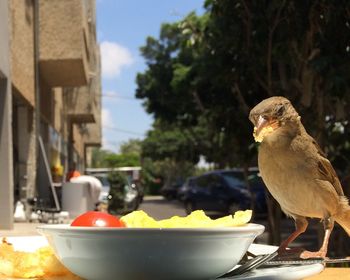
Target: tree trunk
point(274, 220)
point(249, 187)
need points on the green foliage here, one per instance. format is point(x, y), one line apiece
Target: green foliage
point(120, 160)
point(116, 194)
point(205, 73)
point(98, 157)
point(171, 142)
point(157, 173)
point(129, 156)
point(132, 146)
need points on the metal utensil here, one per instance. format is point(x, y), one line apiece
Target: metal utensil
point(305, 261)
point(267, 260)
point(250, 265)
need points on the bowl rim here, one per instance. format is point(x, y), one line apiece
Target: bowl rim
point(247, 228)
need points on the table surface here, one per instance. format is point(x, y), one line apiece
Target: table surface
point(327, 274)
point(332, 273)
point(37, 241)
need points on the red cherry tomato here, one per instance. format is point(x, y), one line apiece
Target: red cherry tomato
point(97, 219)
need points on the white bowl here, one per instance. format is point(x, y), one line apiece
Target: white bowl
point(148, 253)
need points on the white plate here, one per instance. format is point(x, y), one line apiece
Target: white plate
point(31, 243)
point(278, 273)
point(27, 243)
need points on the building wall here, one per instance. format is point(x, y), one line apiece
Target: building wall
point(94, 135)
point(67, 53)
point(22, 48)
point(66, 18)
point(60, 125)
point(24, 142)
point(6, 160)
point(78, 136)
point(59, 115)
point(84, 108)
point(46, 102)
point(21, 16)
point(63, 49)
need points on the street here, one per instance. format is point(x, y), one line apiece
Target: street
point(160, 208)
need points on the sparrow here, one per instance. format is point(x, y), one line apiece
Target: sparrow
point(296, 172)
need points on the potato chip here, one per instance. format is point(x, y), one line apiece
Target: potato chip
point(241, 218)
point(139, 219)
point(197, 219)
point(264, 131)
point(41, 263)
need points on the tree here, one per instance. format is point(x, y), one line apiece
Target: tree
point(206, 72)
point(181, 88)
point(117, 181)
point(99, 157)
point(132, 146)
point(291, 48)
point(130, 155)
point(217, 66)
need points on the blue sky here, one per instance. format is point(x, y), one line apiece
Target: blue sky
point(122, 28)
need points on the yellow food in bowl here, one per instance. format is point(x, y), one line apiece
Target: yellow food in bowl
point(197, 219)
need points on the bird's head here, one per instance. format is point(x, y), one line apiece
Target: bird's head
point(270, 115)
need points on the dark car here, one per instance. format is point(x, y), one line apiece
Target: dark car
point(223, 191)
point(258, 190)
point(169, 191)
point(182, 192)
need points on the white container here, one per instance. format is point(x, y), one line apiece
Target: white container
point(77, 199)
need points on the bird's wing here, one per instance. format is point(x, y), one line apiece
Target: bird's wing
point(326, 170)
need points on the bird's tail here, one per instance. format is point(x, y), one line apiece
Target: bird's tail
point(343, 215)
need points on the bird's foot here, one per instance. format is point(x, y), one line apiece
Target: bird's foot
point(299, 253)
point(290, 253)
point(308, 255)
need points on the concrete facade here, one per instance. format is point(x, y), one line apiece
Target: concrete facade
point(21, 53)
point(50, 89)
point(22, 48)
point(6, 166)
point(63, 42)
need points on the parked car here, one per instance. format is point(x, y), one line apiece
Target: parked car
point(223, 191)
point(170, 190)
point(258, 190)
point(184, 189)
point(105, 188)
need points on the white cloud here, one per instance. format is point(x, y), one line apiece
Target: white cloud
point(112, 97)
point(113, 58)
point(107, 119)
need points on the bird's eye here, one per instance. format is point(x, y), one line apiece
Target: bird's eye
point(280, 110)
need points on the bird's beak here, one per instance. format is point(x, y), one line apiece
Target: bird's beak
point(262, 124)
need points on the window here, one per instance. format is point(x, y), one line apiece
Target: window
point(234, 178)
point(215, 181)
